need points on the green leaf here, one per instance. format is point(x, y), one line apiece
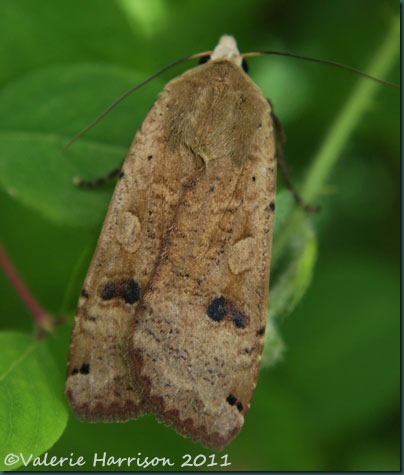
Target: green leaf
point(34, 34)
point(290, 286)
point(33, 412)
point(34, 172)
point(292, 271)
point(274, 346)
point(41, 112)
point(62, 100)
point(294, 278)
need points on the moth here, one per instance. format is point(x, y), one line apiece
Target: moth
point(171, 317)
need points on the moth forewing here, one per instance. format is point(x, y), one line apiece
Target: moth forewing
point(197, 337)
point(99, 386)
point(172, 315)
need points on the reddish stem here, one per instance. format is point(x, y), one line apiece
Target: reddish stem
point(42, 319)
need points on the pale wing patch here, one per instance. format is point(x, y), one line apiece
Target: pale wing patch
point(128, 231)
point(242, 255)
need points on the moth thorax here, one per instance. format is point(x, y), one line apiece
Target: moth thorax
point(227, 49)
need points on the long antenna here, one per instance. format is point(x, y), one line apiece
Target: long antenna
point(323, 61)
point(127, 93)
point(208, 53)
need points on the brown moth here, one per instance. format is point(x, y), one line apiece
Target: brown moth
point(172, 315)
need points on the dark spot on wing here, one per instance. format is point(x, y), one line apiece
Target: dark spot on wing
point(75, 371)
point(272, 206)
point(109, 291)
point(121, 175)
point(238, 318)
point(217, 309)
point(84, 293)
point(221, 308)
point(231, 399)
point(126, 289)
point(85, 368)
point(130, 291)
point(261, 331)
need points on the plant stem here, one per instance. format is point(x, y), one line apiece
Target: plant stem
point(341, 130)
point(41, 317)
point(350, 115)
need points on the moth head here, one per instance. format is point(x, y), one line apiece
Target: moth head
point(227, 49)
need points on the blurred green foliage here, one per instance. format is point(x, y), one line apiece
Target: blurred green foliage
point(332, 401)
